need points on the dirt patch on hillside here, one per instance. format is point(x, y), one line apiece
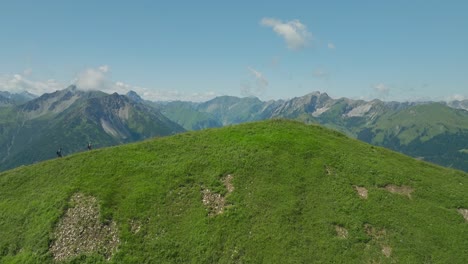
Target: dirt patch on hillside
point(362, 192)
point(378, 236)
point(464, 213)
point(215, 202)
point(81, 232)
point(228, 183)
point(341, 232)
point(403, 190)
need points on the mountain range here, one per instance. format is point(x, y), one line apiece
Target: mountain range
point(72, 118)
point(8, 98)
point(433, 131)
point(32, 130)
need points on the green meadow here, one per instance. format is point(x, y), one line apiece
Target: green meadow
point(265, 192)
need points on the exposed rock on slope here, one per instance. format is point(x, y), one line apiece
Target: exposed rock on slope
point(80, 231)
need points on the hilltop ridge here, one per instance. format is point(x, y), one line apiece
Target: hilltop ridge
point(389, 124)
point(445, 127)
point(256, 192)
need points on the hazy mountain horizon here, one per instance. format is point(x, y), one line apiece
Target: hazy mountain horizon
point(30, 96)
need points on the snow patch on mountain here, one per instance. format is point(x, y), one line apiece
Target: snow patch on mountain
point(320, 111)
point(359, 111)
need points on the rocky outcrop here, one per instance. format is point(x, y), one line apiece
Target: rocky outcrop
point(81, 232)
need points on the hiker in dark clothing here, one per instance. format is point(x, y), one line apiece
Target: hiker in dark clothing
point(89, 146)
point(59, 152)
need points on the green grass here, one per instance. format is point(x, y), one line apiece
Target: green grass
point(422, 121)
point(432, 131)
point(185, 115)
point(283, 209)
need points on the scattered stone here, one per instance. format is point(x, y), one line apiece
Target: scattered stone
point(341, 232)
point(215, 202)
point(228, 183)
point(362, 192)
point(464, 213)
point(403, 190)
point(81, 232)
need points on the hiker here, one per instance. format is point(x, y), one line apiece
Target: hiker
point(59, 152)
point(89, 146)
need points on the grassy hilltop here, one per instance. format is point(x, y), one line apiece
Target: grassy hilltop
point(268, 192)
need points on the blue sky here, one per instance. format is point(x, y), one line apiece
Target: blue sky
point(195, 50)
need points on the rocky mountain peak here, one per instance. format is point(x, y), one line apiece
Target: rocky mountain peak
point(463, 104)
point(18, 97)
point(55, 102)
point(5, 101)
point(72, 87)
point(134, 96)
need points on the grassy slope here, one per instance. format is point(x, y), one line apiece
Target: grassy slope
point(283, 209)
point(38, 139)
point(233, 110)
point(184, 114)
point(10, 120)
point(432, 131)
point(421, 121)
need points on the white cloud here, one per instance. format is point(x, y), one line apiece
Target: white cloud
point(93, 79)
point(456, 97)
point(382, 90)
point(294, 32)
point(173, 95)
point(17, 83)
point(256, 86)
point(104, 68)
point(123, 85)
point(261, 80)
point(331, 46)
point(97, 79)
point(163, 95)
